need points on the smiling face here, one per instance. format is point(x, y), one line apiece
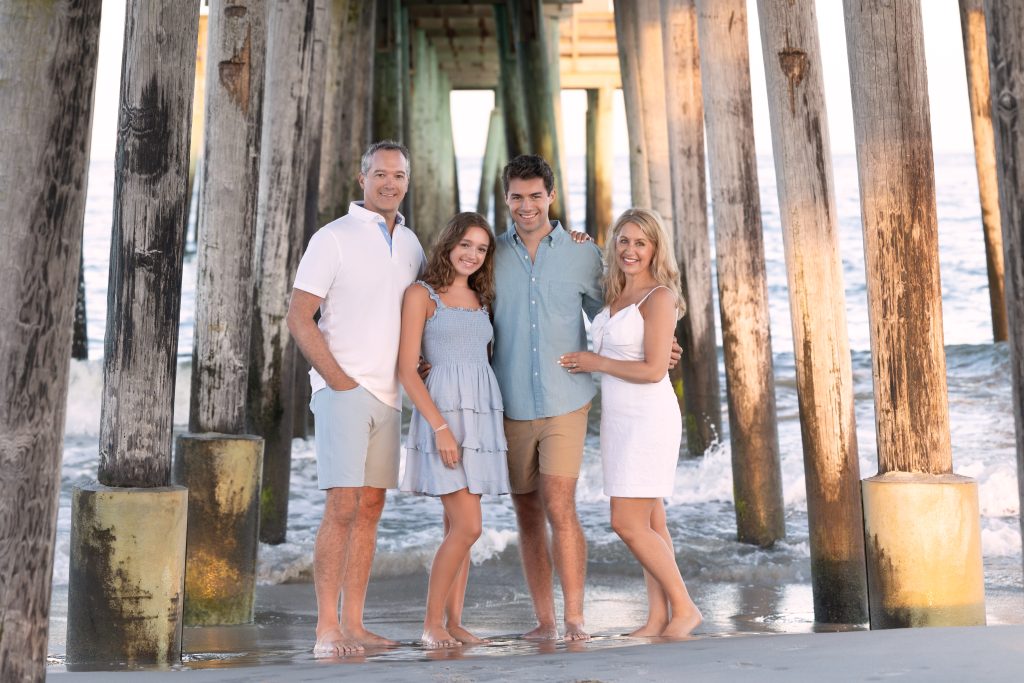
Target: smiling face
point(634, 250)
point(469, 253)
point(528, 204)
point(385, 183)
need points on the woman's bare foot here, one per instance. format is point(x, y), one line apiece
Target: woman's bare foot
point(683, 624)
point(574, 631)
point(649, 630)
point(436, 637)
point(542, 632)
point(460, 633)
point(332, 643)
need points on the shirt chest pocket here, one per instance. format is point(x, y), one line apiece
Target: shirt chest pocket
point(563, 298)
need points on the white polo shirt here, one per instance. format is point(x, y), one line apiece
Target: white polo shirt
point(361, 279)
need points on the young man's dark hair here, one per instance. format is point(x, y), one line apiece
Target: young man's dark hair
point(527, 167)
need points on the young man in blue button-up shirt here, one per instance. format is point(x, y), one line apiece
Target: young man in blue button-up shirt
point(544, 282)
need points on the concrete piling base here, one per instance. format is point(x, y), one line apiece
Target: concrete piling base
point(223, 474)
point(922, 535)
point(127, 573)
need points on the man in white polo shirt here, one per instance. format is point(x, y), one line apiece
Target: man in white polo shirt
point(355, 271)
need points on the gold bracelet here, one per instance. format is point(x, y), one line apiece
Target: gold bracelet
point(442, 427)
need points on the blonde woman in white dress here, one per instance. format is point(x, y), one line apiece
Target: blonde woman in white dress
point(641, 428)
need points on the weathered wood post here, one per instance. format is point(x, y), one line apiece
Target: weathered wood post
point(600, 163)
point(388, 95)
point(921, 525)
point(494, 153)
point(128, 531)
point(216, 459)
point(348, 98)
point(697, 374)
point(538, 92)
point(227, 215)
point(431, 145)
point(46, 98)
point(972, 25)
point(198, 103)
point(824, 375)
point(280, 229)
point(510, 90)
point(742, 286)
point(302, 423)
point(1005, 21)
point(642, 65)
point(80, 335)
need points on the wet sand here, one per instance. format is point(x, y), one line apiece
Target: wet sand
point(765, 632)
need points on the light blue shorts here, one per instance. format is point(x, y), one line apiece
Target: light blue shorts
point(357, 438)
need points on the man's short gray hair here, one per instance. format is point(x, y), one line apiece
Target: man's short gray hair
point(386, 145)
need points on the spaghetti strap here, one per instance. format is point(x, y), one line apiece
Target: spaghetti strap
point(641, 302)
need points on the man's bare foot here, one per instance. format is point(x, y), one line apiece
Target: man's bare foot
point(332, 643)
point(436, 637)
point(542, 632)
point(574, 631)
point(460, 633)
point(368, 638)
point(649, 630)
point(682, 625)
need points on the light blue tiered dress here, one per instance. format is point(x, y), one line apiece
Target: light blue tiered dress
point(464, 389)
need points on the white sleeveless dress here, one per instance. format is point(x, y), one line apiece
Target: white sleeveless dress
point(641, 428)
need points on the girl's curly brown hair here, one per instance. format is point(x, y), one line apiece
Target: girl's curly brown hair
point(440, 272)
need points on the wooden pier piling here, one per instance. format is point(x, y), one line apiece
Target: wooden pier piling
point(600, 163)
point(510, 91)
point(151, 199)
point(80, 335)
point(696, 377)
point(1005, 22)
point(824, 375)
point(921, 522)
point(742, 285)
point(642, 64)
point(494, 155)
point(348, 103)
point(388, 95)
point(972, 25)
point(280, 233)
point(46, 104)
point(227, 215)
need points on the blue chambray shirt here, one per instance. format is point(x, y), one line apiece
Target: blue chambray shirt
point(537, 318)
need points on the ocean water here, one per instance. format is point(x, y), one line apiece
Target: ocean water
point(700, 513)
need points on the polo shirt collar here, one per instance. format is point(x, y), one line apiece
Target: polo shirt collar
point(357, 210)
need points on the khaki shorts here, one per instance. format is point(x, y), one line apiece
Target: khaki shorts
point(549, 445)
point(357, 438)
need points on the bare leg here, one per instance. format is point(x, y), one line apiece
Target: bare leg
point(462, 514)
point(329, 556)
point(536, 555)
point(657, 601)
point(453, 606)
point(569, 548)
point(631, 520)
point(361, 547)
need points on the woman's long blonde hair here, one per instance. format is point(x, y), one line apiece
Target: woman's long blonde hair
point(663, 263)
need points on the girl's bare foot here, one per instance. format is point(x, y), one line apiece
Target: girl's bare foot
point(683, 624)
point(542, 632)
point(436, 637)
point(649, 630)
point(575, 631)
point(460, 633)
